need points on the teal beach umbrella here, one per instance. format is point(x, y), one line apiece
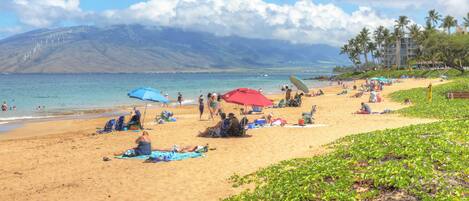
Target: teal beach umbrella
point(147, 94)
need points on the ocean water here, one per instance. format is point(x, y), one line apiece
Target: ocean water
point(68, 93)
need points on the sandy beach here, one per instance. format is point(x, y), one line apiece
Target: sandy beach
point(62, 160)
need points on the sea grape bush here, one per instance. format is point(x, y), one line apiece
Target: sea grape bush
point(440, 107)
point(419, 162)
point(400, 73)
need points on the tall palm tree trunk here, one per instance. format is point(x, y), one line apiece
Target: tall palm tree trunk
point(398, 52)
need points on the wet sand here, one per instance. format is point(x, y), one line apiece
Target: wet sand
point(62, 160)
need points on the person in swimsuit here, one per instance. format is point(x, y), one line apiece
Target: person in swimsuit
point(213, 106)
point(201, 106)
point(143, 146)
point(4, 106)
point(180, 99)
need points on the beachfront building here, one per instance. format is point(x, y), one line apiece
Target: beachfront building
point(408, 52)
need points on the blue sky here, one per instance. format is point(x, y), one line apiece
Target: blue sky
point(304, 21)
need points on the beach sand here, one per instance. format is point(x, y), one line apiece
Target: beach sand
point(62, 160)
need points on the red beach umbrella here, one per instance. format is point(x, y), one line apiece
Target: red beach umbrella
point(245, 96)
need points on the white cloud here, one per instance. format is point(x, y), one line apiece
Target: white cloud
point(458, 8)
point(302, 22)
point(44, 13)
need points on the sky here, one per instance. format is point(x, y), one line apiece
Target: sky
point(298, 21)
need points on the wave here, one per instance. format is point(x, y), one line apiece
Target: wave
point(184, 102)
point(23, 118)
point(3, 122)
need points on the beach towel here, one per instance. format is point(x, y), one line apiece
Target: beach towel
point(306, 126)
point(165, 156)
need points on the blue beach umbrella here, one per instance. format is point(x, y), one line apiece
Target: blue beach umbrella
point(147, 94)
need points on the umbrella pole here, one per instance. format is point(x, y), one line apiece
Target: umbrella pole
point(144, 114)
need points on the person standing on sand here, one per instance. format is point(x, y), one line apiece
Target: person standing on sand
point(213, 106)
point(4, 106)
point(288, 94)
point(201, 106)
point(180, 99)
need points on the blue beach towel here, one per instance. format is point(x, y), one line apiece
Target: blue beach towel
point(168, 156)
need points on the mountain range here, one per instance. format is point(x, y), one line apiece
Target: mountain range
point(138, 48)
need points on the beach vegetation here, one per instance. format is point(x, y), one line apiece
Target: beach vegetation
point(418, 162)
point(389, 73)
point(440, 106)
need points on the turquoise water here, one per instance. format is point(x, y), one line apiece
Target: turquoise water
point(69, 92)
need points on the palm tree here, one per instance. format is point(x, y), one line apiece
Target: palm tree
point(399, 32)
point(379, 40)
point(433, 18)
point(352, 50)
point(466, 21)
point(448, 22)
point(416, 35)
point(388, 40)
point(363, 39)
point(414, 31)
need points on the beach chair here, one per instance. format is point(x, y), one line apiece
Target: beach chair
point(308, 117)
point(120, 125)
point(256, 109)
point(243, 126)
point(108, 127)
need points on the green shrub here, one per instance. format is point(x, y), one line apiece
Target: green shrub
point(423, 162)
point(399, 73)
point(440, 107)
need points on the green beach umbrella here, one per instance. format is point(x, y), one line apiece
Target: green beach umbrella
point(299, 84)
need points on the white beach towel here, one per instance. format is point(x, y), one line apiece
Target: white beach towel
point(306, 126)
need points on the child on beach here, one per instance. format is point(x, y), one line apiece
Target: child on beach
point(201, 106)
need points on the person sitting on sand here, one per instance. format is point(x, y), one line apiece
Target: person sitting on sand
point(219, 130)
point(143, 146)
point(234, 125)
point(365, 109)
point(135, 119)
point(319, 92)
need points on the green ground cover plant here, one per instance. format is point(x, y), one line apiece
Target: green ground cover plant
point(419, 162)
point(440, 107)
point(399, 73)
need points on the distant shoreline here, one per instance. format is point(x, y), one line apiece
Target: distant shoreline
point(292, 70)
